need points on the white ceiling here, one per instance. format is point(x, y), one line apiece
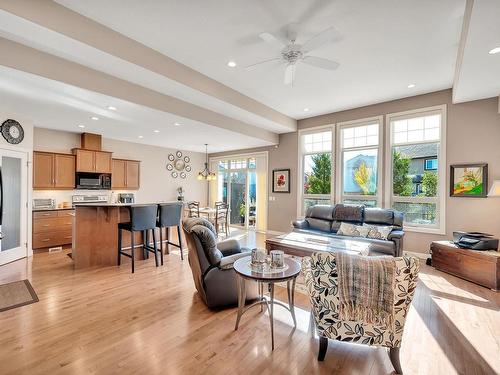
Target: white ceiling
point(479, 73)
point(385, 45)
point(55, 105)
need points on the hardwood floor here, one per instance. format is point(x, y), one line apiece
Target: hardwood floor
point(107, 321)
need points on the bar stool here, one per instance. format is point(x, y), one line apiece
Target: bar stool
point(142, 219)
point(170, 216)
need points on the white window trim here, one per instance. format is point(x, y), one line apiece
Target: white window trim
point(442, 165)
point(380, 158)
point(300, 167)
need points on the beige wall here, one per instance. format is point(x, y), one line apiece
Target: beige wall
point(156, 182)
point(473, 134)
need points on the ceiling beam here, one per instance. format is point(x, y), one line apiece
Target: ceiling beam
point(62, 20)
point(20, 57)
point(461, 46)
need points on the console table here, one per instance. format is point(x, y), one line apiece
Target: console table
point(480, 267)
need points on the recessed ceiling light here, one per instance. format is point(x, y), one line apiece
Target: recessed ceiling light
point(81, 126)
point(231, 64)
point(411, 85)
point(111, 108)
point(140, 137)
point(156, 131)
point(95, 118)
point(177, 124)
point(306, 109)
point(494, 51)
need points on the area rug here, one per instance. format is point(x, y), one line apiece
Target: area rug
point(16, 294)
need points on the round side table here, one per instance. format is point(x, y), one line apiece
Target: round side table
point(245, 272)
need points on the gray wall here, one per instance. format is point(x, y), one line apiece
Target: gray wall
point(473, 135)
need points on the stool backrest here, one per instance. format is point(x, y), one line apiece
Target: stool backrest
point(170, 214)
point(194, 209)
point(143, 217)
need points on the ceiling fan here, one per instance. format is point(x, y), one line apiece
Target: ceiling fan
point(293, 53)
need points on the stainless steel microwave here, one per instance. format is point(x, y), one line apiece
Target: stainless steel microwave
point(93, 181)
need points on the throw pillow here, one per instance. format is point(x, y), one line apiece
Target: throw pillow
point(352, 230)
point(378, 232)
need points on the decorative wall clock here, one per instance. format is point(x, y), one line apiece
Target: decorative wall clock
point(178, 165)
point(12, 131)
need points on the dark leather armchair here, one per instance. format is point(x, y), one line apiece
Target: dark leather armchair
point(212, 264)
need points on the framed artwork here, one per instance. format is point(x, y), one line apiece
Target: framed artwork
point(281, 181)
point(469, 180)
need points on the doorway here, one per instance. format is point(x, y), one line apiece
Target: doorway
point(242, 184)
point(13, 205)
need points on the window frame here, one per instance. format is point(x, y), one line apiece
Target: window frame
point(339, 196)
point(440, 200)
point(431, 160)
point(301, 197)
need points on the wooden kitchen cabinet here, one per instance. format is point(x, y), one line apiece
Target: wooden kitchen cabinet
point(133, 174)
point(92, 161)
point(43, 170)
point(64, 171)
point(125, 174)
point(118, 171)
point(53, 171)
point(52, 228)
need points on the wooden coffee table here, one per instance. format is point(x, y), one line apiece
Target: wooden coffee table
point(245, 272)
point(304, 244)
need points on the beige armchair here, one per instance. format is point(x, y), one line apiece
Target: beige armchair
point(320, 272)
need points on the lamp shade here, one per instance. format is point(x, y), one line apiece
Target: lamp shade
point(495, 189)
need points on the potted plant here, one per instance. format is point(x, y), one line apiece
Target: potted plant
point(242, 213)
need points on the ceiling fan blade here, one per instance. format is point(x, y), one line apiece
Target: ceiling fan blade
point(320, 62)
point(273, 40)
point(326, 36)
point(262, 63)
point(289, 74)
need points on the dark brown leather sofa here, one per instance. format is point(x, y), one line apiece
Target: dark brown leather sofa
point(326, 220)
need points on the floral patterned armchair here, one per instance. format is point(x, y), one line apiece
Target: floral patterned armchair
point(320, 272)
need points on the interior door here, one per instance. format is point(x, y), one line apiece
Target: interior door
point(13, 205)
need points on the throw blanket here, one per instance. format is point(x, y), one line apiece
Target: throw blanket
point(366, 288)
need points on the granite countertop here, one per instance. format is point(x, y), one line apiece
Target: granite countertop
point(104, 204)
point(52, 209)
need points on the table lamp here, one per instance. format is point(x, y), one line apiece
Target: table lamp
point(495, 189)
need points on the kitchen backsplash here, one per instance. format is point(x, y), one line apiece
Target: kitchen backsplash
point(65, 195)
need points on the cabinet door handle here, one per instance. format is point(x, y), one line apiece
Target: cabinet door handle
point(46, 239)
point(46, 225)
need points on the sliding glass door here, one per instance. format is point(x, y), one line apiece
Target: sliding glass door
point(242, 183)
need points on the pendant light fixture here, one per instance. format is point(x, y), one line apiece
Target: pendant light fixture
point(205, 174)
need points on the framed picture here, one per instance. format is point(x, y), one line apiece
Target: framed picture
point(469, 180)
point(281, 181)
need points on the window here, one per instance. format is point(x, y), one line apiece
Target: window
point(359, 144)
point(431, 164)
point(316, 168)
point(416, 181)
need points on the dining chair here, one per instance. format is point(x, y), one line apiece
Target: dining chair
point(221, 216)
point(194, 209)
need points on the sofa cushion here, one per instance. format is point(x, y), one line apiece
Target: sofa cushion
point(352, 230)
point(335, 226)
point(321, 211)
point(378, 231)
point(379, 216)
point(348, 212)
point(319, 224)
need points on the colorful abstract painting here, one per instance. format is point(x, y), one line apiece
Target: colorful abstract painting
point(469, 180)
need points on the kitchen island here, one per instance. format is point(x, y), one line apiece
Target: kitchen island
point(95, 234)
